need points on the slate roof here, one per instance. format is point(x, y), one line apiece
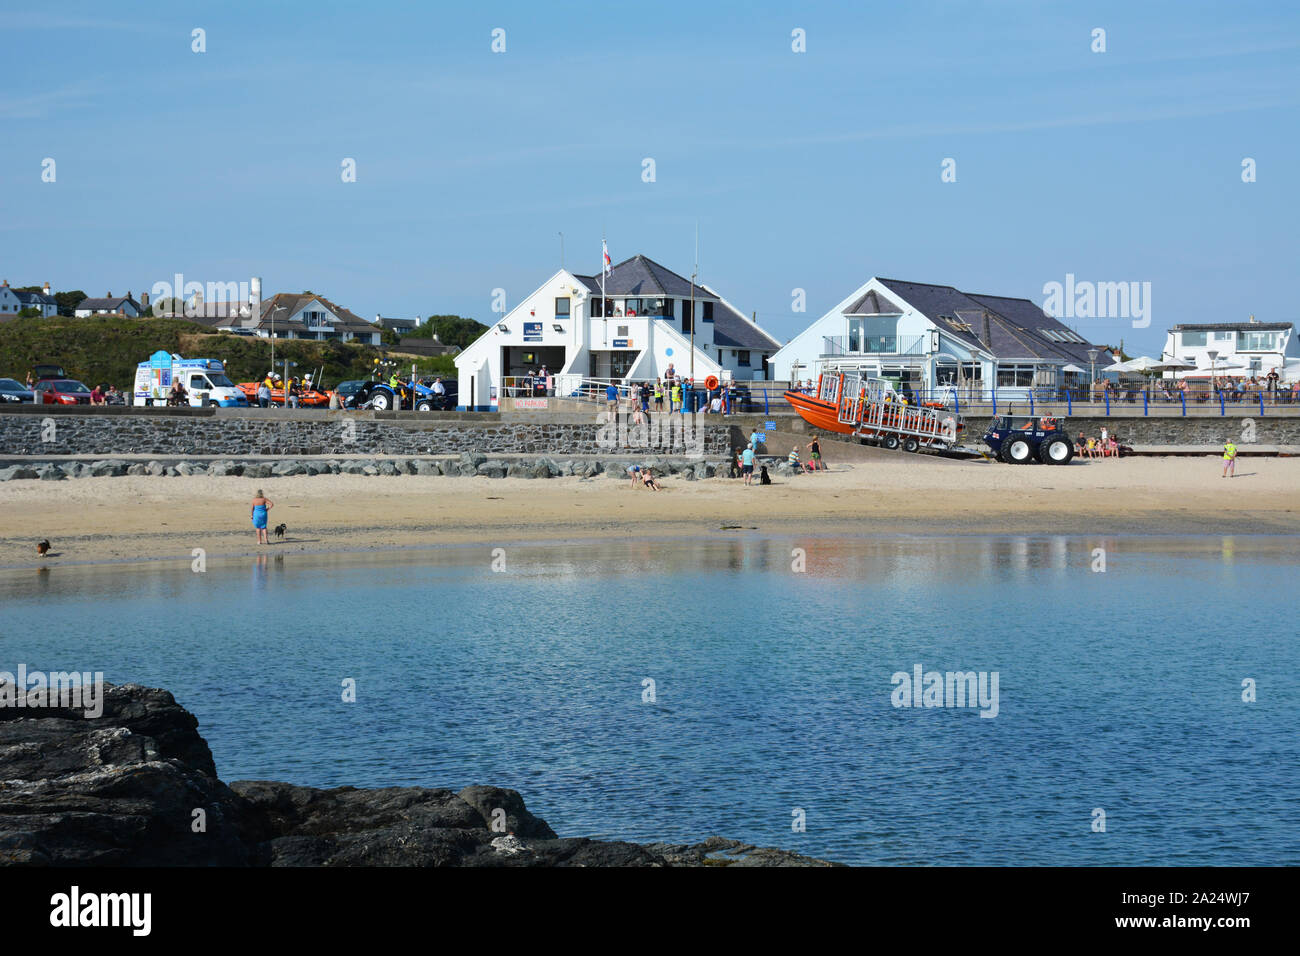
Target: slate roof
point(1014, 326)
point(1232, 327)
point(34, 298)
point(113, 305)
point(873, 303)
point(347, 321)
point(641, 276)
point(733, 330)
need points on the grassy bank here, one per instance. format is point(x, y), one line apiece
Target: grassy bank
point(107, 349)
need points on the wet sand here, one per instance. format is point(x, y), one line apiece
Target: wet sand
point(151, 518)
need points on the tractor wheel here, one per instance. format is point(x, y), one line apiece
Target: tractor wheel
point(381, 401)
point(890, 442)
point(424, 406)
point(1018, 451)
point(911, 445)
point(1056, 451)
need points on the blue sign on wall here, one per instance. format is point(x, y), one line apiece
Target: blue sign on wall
point(620, 343)
point(532, 331)
point(769, 426)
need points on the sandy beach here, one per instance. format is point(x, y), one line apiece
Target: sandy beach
point(153, 518)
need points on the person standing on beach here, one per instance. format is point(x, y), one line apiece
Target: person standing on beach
point(1229, 459)
point(747, 464)
point(261, 505)
point(815, 456)
point(611, 401)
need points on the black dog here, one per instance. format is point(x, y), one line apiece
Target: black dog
point(763, 477)
point(280, 530)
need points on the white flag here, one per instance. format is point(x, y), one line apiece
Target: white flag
point(604, 254)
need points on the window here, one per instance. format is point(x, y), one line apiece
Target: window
point(742, 359)
point(1256, 341)
point(708, 311)
point(562, 307)
point(1015, 375)
point(688, 318)
point(1193, 340)
point(631, 307)
point(1224, 336)
point(622, 330)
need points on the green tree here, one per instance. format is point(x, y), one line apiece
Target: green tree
point(68, 301)
point(450, 329)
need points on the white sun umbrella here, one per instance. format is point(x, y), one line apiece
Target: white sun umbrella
point(1073, 369)
point(1174, 365)
point(1142, 363)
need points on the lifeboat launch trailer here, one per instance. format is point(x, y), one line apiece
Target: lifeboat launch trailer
point(870, 409)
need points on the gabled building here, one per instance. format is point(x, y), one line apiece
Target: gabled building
point(16, 300)
point(10, 304)
point(929, 336)
point(1240, 348)
point(640, 326)
point(110, 305)
point(285, 316)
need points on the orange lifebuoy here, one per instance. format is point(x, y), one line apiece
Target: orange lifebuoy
point(711, 382)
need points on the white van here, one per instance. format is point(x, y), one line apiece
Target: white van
point(205, 382)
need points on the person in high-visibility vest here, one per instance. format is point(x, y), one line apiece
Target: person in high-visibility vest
point(1229, 459)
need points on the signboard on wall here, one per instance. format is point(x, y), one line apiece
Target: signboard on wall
point(532, 331)
point(622, 343)
point(530, 403)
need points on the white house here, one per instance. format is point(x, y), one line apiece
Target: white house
point(640, 327)
point(10, 304)
point(1240, 348)
point(930, 336)
point(110, 305)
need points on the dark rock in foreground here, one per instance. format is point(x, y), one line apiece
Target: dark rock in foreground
point(137, 786)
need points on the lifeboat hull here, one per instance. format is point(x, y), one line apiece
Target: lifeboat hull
point(818, 412)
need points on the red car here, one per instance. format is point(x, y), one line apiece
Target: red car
point(61, 391)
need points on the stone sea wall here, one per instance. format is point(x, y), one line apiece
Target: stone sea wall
point(34, 434)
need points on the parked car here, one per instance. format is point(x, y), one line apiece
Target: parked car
point(346, 390)
point(13, 392)
point(49, 371)
point(62, 391)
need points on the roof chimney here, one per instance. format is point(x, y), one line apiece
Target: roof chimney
point(107, 295)
point(1252, 318)
point(46, 289)
point(144, 299)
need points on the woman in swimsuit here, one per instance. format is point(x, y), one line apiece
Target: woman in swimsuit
point(261, 505)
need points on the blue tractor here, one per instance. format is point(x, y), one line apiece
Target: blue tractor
point(1021, 439)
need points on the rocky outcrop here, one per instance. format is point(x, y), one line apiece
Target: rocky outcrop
point(137, 786)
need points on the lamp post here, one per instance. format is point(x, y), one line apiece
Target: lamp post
point(1092, 377)
point(1214, 382)
point(278, 308)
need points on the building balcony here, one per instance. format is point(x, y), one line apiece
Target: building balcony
point(834, 346)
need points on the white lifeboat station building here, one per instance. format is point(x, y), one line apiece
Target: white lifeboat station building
point(639, 327)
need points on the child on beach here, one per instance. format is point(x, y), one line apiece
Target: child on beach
point(1229, 459)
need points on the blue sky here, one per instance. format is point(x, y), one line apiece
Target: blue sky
point(811, 170)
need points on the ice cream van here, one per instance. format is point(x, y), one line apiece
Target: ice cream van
point(204, 380)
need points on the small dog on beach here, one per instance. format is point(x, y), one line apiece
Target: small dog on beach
point(280, 529)
point(43, 547)
point(763, 477)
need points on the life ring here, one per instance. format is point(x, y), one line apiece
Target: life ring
point(711, 382)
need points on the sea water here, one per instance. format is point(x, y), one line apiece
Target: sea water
point(743, 685)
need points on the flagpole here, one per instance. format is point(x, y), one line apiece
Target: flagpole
point(604, 304)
